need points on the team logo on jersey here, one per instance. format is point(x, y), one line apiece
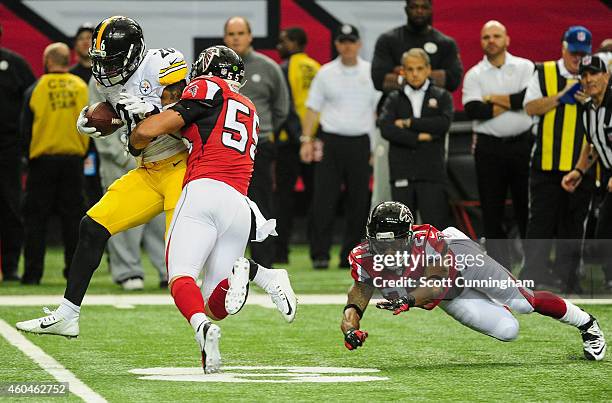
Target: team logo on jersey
point(145, 87)
point(432, 103)
point(430, 47)
point(193, 90)
point(4, 65)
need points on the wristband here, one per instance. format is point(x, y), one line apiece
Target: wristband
point(580, 171)
point(355, 307)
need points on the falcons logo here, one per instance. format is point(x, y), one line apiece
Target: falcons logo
point(210, 53)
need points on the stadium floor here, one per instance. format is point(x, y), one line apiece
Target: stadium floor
point(136, 352)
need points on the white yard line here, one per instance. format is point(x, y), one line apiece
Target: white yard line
point(131, 300)
point(48, 363)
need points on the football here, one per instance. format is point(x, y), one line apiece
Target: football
point(103, 117)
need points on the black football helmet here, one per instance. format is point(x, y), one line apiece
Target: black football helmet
point(116, 51)
point(219, 61)
point(389, 227)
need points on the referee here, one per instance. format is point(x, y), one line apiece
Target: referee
point(597, 119)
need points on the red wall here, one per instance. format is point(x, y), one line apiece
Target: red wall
point(535, 27)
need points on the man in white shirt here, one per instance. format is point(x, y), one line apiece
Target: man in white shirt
point(493, 93)
point(343, 94)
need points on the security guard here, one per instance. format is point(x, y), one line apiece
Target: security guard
point(55, 159)
point(551, 98)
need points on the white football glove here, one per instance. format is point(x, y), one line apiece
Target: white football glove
point(135, 105)
point(84, 130)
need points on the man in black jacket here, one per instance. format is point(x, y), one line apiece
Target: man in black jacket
point(415, 120)
point(15, 77)
point(417, 33)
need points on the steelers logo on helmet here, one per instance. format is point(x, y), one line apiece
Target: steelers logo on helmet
point(117, 50)
point(219, 61)
point(389, 228)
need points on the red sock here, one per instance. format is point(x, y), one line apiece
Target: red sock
point(187, 296)
point(216, 301)
point(549, 304)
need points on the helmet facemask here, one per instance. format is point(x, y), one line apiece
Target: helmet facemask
point(111, 70)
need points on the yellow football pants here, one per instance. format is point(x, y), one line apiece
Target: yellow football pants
point(141, 194)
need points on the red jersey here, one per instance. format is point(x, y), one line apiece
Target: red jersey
point(428, 246)
point(222, 128)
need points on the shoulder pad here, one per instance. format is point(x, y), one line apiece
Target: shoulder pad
point(172, 66)
point(202, 89)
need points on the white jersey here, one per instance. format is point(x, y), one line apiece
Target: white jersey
point(158, 69)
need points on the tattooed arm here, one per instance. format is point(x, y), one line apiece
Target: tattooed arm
point(172, 93)
point(359, 295)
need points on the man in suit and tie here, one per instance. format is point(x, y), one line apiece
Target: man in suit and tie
point(415, 120)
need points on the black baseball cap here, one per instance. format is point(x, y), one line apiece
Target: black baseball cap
point(86, 26)
point(593, 64)
point(347, 32)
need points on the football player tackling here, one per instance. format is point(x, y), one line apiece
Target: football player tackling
point(446, 268)
point(211, 225)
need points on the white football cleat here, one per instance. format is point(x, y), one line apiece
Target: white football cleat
point(593, 341)
point(238, 286)
point(207, 336)
point(282, 294)
point(51, 324)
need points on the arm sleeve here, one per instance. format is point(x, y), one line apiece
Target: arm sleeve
point(516, 100)
point(25, 121)
point(478, 110)
point(453, 67)
point(382, 62)
point(436, 126)
point(388, 130)
point(281, 100)
point(190, 110)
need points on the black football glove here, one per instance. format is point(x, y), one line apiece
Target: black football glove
point(398, 305)
point(354, 338)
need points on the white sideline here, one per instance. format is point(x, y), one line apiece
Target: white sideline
point(48, 363)
point(131, 300)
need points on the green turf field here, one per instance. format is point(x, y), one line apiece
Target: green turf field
point(420, 355)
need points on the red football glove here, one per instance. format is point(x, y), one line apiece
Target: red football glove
point(398, 305)
point(354, 338)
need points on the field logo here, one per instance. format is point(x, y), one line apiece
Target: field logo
point(262, 374)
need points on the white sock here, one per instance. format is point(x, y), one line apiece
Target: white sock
point(68, 310)
point(263, 277)
point(574, 315)
point(197, 319)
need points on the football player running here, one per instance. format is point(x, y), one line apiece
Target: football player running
point(211, 225)
point(134, 80)
point(437, 272)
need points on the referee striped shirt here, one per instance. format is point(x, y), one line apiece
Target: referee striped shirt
point(598, 124)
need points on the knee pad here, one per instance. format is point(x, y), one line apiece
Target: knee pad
point(506, 330)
